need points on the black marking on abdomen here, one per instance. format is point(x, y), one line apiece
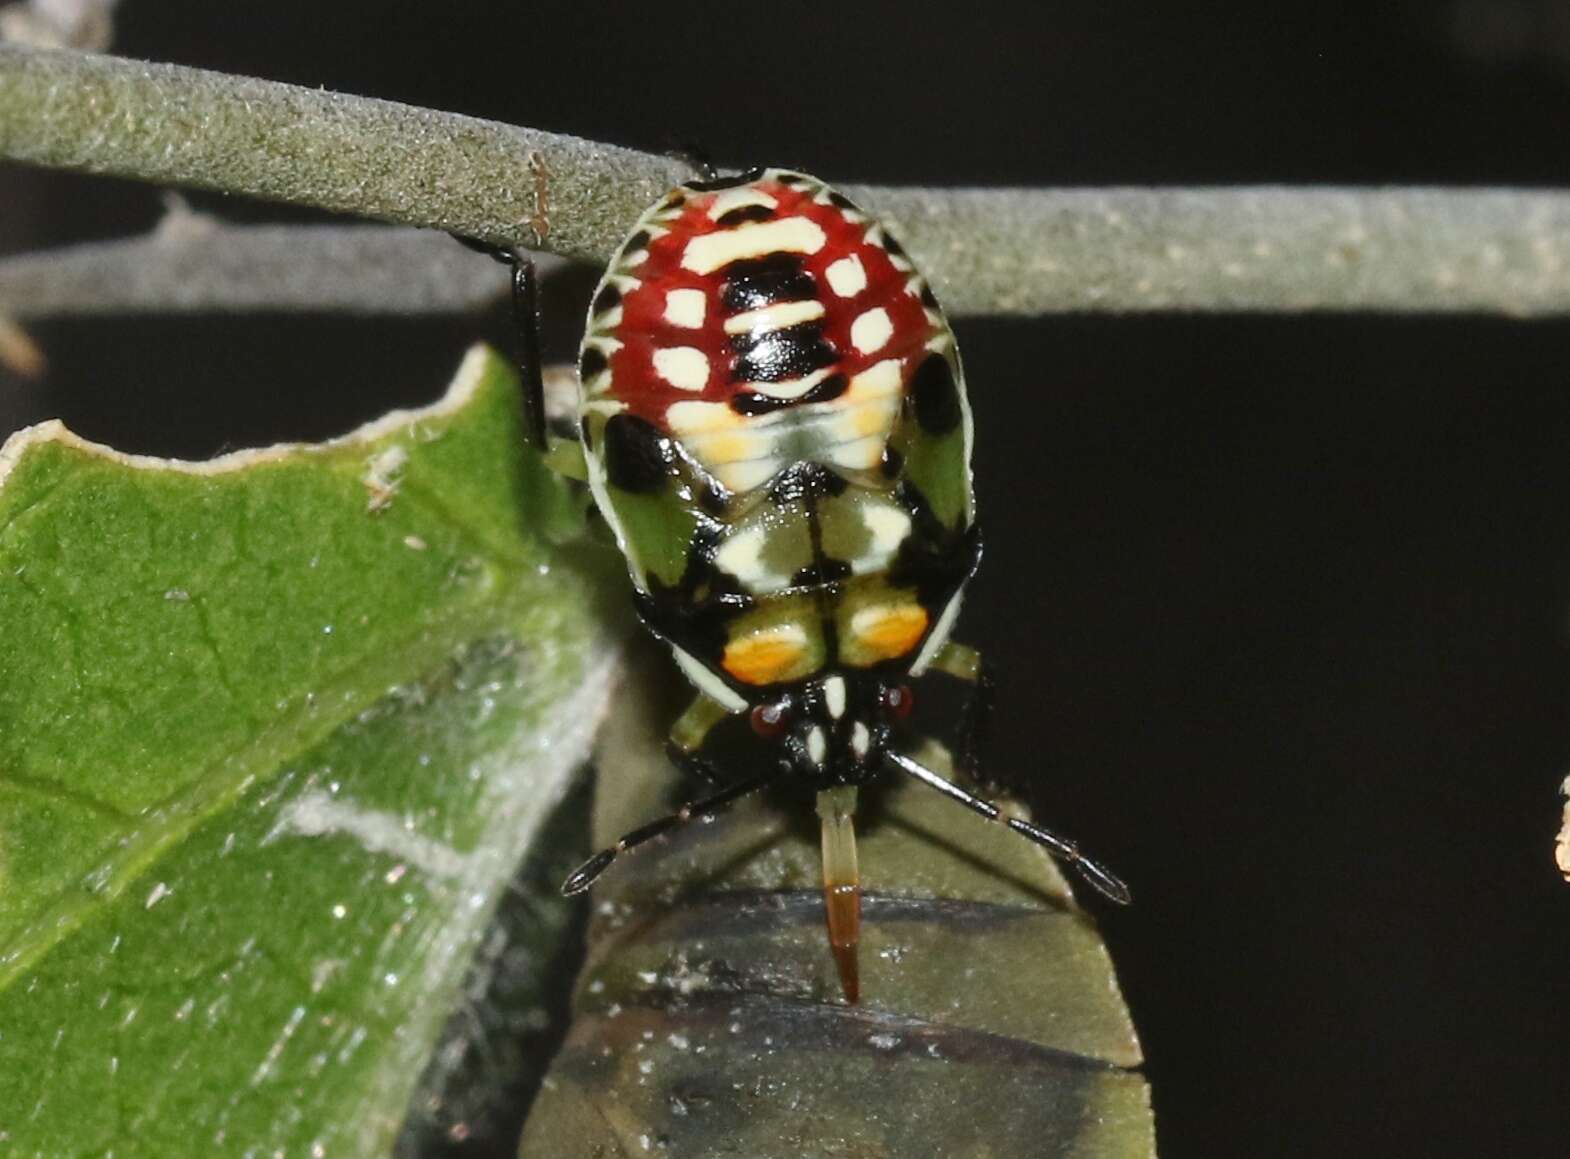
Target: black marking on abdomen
point(805, 479)
point(934, 559)
point(752, 283)
point(743, 214)
point(751, 403)
point(637, 457)
point(694, 611)
point(935, 395)
point(779, 355)
point(825, 572)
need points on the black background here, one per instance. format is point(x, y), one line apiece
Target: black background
point(1279, 607)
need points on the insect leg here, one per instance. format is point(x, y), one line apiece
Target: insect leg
point(965, 663)
point(693, 726)
point(584, 876)
point(694, 765)
point(526, 326)
point(1096, 874)
point(526, 323)
point(960, 661)
point(689, 732)
point(698, 159)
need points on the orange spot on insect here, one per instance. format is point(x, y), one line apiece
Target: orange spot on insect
point(765, 657)
point(889, 630)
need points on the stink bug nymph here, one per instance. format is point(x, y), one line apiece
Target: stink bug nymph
point(773, 421)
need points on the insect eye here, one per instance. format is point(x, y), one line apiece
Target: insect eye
point(770, 720)
point(898, 701)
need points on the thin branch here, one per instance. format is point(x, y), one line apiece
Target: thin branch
point(202, 266)
point(988, 251)
point(377, 159)
point(1283, 250)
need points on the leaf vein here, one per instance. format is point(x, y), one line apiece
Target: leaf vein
point(224, 779)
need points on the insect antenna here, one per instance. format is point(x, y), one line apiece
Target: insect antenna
point(1093, 872)
point(584, 876)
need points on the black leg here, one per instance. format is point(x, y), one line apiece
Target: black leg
point(526, 321)
point(963, 662)
point(698, 159)
point(584, 876)
point(526, 327)
point(1103, 879)
point(690, 763)
point(976, 724)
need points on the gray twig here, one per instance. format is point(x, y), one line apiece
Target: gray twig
point(370, 158)
point(988, 251)
point(202, 266)
point(1282, 250)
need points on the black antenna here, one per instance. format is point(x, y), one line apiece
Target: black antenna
point(584, 876)
point(1097, 875)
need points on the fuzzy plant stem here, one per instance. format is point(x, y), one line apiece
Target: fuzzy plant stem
point(989, 251)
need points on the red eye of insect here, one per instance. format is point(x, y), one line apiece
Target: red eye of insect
point(770, 720)
point(898, 701)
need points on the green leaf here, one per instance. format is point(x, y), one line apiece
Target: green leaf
point(274, 730)
point(709, 1019)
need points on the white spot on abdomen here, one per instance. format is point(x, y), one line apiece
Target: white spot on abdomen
point(791, 387)
point(739, 198)
point(860, 455)
point(692, 418)
point(686, 308)
point(860, 739)
point(742, 556)
point(684, 367)
point(775, 317)
point(834, 696)
point(871, 331)
point(846, 277)
point(881, 378)
point(817, 745)
point(888, 526)
point(711, 251)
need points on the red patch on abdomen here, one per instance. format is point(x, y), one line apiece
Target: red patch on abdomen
point(644, 328)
